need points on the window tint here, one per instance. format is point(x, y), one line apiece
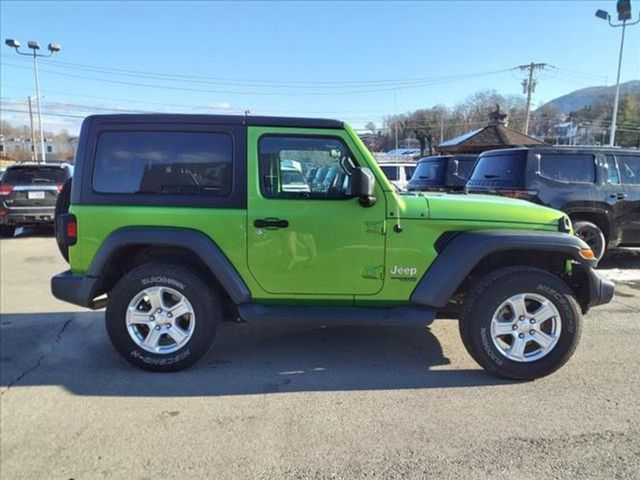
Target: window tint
point(568, 167)
point(629, 169)
point(408, 172)
point(430, 170)
point(507, 168)
point(304, 167)
point(612, 170)
point(191, 163)
point(390, 171)
point(464, 168)
point(35, 176)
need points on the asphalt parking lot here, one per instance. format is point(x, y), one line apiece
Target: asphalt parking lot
point(287, 400)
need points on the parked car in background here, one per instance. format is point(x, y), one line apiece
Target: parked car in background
point(398, 173)
point(403, 152)
point(442, 173)
point(599, 188)
point(28, 194)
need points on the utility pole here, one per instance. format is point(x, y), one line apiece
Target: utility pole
point(528, 87)
point(395, 117)
point(33, 139)
point(442, 125)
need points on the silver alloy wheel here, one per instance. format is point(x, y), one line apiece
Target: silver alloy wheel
point(160, 320)
point(526, 327)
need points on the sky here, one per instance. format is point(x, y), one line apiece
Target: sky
point(355, 61)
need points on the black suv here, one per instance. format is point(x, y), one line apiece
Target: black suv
point(599, 188)
point(442, 173)
point(28, 194)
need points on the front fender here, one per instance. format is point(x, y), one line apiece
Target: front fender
point(465, 250)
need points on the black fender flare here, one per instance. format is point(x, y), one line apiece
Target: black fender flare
point(195, 241)
point(465, 250)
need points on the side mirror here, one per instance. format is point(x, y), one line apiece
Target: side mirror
point(363, 185)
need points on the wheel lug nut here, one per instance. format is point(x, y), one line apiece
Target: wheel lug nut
point(515, 327)
point(521, 335)
point(532, 321)
point(157, 327)
point(531, 332)
point(169, 315)
point(159, 310)
point(168, 325)
point(521, 318)
point(152, 318)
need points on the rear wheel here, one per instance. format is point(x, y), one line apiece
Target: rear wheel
point(592, 235)
point(521, 323)
point(7, 230)
point(162, 317)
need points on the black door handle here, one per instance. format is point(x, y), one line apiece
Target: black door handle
point(270, 223)
point(619, 196)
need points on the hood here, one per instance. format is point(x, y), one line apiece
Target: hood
point(483, 208)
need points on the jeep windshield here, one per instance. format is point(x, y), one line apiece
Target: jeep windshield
point(498, 170)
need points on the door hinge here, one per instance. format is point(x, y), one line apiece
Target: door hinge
point(375, 272)
point(375, 227)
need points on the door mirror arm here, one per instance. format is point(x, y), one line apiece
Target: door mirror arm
point(363, 185)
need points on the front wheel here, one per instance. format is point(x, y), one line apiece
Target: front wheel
point(162, 317)
point(521, 323)
point(592, 235)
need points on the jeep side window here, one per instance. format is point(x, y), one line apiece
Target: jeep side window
point(612, 170)
point(148, 162)
point(629, 169)
point(304, 167)
point(568, 168)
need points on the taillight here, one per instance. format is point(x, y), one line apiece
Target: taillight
point(66, 229)
point(6, 190)
point(72, 229)
point(520, 194)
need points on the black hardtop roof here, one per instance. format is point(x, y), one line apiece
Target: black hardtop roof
point(562, 149)
point(248, 120)
point(445, 156)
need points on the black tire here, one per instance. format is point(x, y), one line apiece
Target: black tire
point(204, 300)
point(62, 206)
point(485, 299)
point(7, 231)
point(592, 235)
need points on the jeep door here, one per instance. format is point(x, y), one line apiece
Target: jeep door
point(629, 198)
point(316, 242)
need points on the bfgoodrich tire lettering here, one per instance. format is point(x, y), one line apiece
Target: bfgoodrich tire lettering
point(536, 288)
point(203, 302)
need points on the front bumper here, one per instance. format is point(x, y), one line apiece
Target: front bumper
point(601, 289)
point(78, 290)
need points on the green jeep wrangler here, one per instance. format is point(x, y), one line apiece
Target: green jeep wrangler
point(174, 222)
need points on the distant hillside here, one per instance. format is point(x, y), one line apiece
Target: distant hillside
point(592, 96)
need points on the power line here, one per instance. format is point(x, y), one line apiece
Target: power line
point(435, 81)
point(259, 83)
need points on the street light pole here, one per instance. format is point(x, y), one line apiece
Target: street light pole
point(624, 14)
point(34, 46)
point(35, 69)
point(614, 118)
